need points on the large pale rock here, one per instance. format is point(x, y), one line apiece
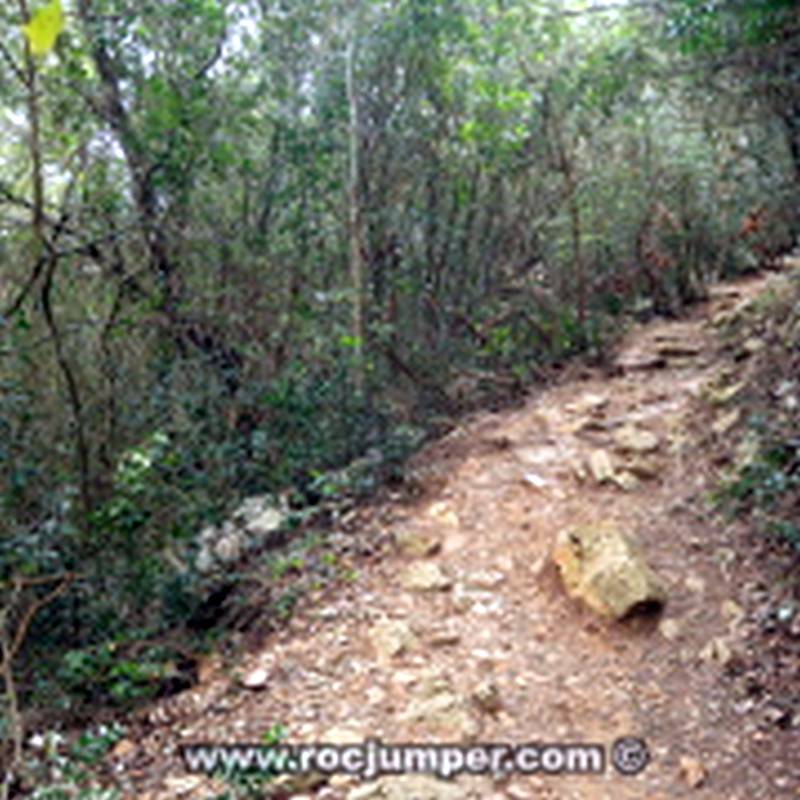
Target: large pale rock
point(603, 566)
point(425, 576)
point(635, 440)
point(260, 516)
point(230, 545)
point(267, 522)
point(601, 466)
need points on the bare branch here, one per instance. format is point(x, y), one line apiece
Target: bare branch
point(19, 74)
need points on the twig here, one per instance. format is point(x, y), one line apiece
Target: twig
point(10, 645)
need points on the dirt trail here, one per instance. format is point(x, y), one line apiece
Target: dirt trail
point(498, 653)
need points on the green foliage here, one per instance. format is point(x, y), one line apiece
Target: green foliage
point(103, 673)
point(768, 485)
point(765, 485)
point(720, 25)
point(62, 770)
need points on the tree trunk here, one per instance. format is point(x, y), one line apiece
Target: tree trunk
point(355, 233)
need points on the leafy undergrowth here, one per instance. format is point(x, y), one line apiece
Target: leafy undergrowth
point(763, 342)
point(752, 417)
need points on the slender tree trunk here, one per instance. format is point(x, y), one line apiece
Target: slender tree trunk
point(355, 233)
point(45, 256)
point(575, 223)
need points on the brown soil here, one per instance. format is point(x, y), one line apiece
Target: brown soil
point(502, 485)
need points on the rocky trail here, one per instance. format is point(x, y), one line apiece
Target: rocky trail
point(462, 631)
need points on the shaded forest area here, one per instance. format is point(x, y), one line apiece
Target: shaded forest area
point(247, 243)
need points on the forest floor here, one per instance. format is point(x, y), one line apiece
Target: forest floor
point(461, 630)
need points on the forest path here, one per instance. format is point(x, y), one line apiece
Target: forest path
point(477, 641)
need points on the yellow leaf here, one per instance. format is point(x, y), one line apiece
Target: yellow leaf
point(44, 27)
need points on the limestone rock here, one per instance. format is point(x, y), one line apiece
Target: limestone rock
point(367, 791)
point(256, 679)
point(486, 697)
point(589, 425)
point(670, 629)
point(409, 787)
point(603, 566)
point(265, 523)
point(190, 786)
point(732, 612)
point(677, 348)
point(695, 584)
point(425, 576)
point(204, 563)
point(417, 542)
point(466, 600)
point(443, 513)
point(230, 545)
point(518, 791)
point(636, 360)
point(341, 735)
point(123, 749)
point(719, 397)
point(722, 318)
point(431, 683)
point(717, 651)
point(260, 516)
point(390, 638)
point(626, 481)
point(600, 466)
point(693, 771)
point(631, 439)
point(578, 469)
point(645, 468)
point(751, 346)
point(486, 579)
point(445, 714)
point(588, 404)
point(443, 636)
point(727, 421)
point(534, 480)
